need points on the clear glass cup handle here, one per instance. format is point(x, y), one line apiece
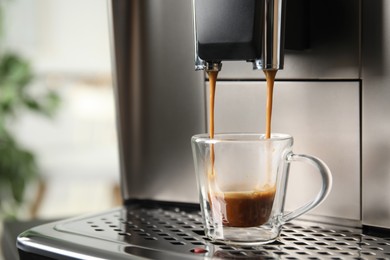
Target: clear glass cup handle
point(322, 194)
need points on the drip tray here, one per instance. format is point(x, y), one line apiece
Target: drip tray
point(167, 230)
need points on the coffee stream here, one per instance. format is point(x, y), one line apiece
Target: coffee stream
point(213, 83)
point(233, 208)
point(270, 78)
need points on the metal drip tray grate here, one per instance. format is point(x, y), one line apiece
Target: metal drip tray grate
point(159, 231)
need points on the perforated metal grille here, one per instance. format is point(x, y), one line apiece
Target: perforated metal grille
point(178, 230)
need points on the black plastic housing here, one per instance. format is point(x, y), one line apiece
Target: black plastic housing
point(229, 29)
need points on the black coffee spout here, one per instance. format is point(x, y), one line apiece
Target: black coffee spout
point(248, 30)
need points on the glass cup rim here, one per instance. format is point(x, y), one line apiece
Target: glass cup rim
point(240, 138)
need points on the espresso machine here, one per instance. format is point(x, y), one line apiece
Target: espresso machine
point(330, 94)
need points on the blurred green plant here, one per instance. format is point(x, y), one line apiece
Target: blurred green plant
point(18, 165)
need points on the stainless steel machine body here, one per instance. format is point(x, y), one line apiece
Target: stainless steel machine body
point(375, 122)
point(159, 97)
point(331, 96)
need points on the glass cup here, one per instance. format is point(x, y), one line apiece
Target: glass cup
point(242, 182)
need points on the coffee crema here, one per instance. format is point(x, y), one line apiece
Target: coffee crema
point(242, 209)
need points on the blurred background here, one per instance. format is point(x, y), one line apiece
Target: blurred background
point(64, 45)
